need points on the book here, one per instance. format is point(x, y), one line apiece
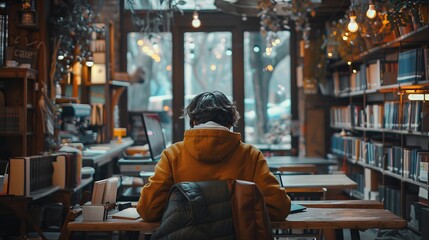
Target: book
point(373, 75)
point(29, 174)
point(128, 213)
point(423, 194)
point(410, 65)
point(111, 190)
point(60, 171)
point(19, 172)
point(98, 191)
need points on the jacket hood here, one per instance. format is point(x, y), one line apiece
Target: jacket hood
point(210, 145)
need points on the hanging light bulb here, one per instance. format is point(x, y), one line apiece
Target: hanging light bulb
point(89, 62)
point(352, 26)
point(371, 13)
point(196, 23)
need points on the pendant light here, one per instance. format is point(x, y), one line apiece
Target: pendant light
point(371, 13)
point(196, 22)
point(352, 26)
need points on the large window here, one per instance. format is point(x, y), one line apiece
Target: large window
point(226, 53)
point(149, 62)
point(208, 65)
point(156, 4)
point(267, 102)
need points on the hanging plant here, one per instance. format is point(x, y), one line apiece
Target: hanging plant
point(275, 16)
point(374, 31)
point(72, 24)
point(349, 46)
point(156, 20)
point(401, 13)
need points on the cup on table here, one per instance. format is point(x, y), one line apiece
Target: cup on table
point(11, 63)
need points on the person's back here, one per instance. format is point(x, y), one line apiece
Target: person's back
point(210, 151)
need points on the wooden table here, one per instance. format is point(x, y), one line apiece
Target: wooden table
point(323, 218)
point(102, 157)
point(354, 219)
point(364, 204)
point(323, 165)
point(19, 206)
point(317, 181)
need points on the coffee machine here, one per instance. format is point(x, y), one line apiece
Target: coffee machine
point(76, 119)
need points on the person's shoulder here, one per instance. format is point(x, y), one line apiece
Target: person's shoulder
point(250, 147)
point(174, 149)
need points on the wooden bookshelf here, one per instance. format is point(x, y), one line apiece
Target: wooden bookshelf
point(112, 86)
point(18, 111)
point(396, 189)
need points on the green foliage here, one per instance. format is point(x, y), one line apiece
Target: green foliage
point(401, 12)
point(156, 20)
point(71, 24)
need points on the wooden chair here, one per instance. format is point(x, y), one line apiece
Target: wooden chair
point(307, 193)
point(296, 169)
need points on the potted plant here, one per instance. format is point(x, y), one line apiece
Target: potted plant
point(407, 15)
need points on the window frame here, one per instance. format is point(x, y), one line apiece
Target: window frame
point(212, 21)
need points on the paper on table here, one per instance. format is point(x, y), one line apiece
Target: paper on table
point(128, 213)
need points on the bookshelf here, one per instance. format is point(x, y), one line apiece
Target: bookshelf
point(105, 89)
point(18, 87)
point(380, 135)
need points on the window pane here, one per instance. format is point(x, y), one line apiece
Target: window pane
point(267, 90)
point(208, 64)
point(149, 59)
point(156, 5)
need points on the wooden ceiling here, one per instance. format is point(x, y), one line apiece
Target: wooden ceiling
point(331, 10)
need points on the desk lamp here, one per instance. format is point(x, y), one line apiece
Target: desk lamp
point(119, 133)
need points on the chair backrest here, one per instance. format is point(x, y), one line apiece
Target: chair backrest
point(227, 209)
point(299, 168)
point(250, 215)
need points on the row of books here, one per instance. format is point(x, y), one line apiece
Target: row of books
point(391, 115)
point(412, 64)
point(409, 116)
point(390, 196)
point(27, 175)
point(356, 116)
point(407, 66)
point(409, 162)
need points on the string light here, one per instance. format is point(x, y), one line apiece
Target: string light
point(371, 13)
point(196, 22)
point(352, 26)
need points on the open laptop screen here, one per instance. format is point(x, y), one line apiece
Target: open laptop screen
point(154, 134)
point(136, 128)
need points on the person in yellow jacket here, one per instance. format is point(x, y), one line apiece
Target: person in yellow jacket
point(210, 151)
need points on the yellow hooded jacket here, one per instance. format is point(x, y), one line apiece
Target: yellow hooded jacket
point(210, 154)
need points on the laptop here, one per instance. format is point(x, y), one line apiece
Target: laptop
point(294, 208)
point(150, 125)
point(154, 135)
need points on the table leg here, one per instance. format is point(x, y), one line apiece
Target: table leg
point(354, 234)
point(339, 235)
point(329, 234)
